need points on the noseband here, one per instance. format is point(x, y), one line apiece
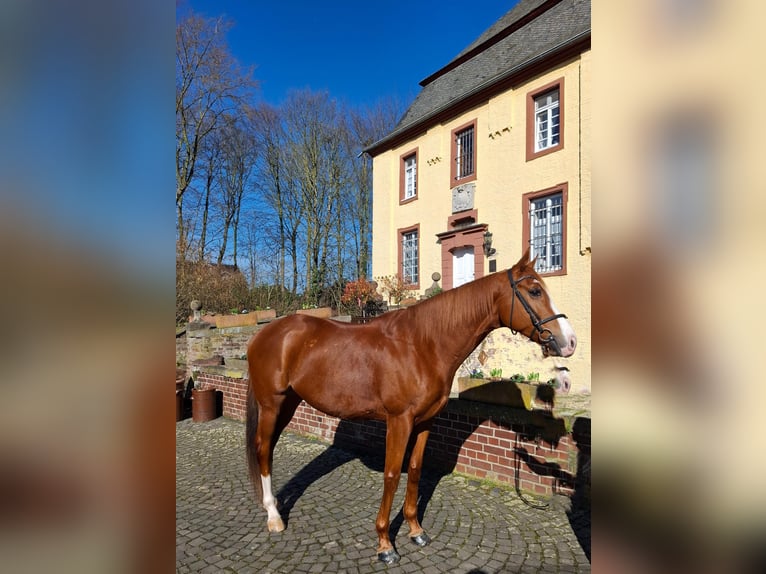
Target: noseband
point(546, 336)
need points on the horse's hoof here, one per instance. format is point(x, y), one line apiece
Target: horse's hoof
point(276, 525)
point(389, 556)
point(421, 539)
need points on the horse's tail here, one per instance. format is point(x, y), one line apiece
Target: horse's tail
point(250, 438)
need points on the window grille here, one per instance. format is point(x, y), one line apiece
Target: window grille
point(464, 158)
point(410, 257)
point(546, 232)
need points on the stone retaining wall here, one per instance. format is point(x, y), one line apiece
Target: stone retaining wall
point(228, 342)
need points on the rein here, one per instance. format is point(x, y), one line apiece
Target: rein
point(546, 336)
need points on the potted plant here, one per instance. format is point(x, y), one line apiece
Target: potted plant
point(474, 379)
point(518, 390)
point(356, 295)
point(395, 288)
point(533, 391)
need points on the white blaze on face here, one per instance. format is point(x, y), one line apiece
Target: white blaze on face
point(567, 341)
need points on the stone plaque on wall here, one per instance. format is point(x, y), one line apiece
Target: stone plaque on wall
point(462, 197)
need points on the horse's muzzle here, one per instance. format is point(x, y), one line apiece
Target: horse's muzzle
point(551, 346)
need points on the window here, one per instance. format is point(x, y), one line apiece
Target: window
point(545, 120)
point(409, 256)
point(546, 233)
point(408, 176)
point(464, 153)
point(545, 229)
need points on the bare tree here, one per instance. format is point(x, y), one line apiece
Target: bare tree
point(363, 127)
point(211, 170)
point(209, 83)
point(304, 158)
point(318, 184)
point(237, 159)
point(258, 266)
point(270, 140)
point(313, 145)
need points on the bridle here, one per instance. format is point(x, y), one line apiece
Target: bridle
point(547, 340)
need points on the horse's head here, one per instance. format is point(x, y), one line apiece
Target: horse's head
point(527, 308)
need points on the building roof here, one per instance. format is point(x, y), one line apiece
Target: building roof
point(531, 34)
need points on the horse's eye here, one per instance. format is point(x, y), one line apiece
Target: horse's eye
point(535, 292)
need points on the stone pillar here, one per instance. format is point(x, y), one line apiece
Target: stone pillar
point(434, 289)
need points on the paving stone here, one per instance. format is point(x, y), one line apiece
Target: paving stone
point(329, 499)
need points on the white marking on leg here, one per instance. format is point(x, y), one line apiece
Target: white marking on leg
point(275, 523)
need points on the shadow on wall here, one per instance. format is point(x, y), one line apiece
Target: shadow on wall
point(579, 512)
point(365, 440)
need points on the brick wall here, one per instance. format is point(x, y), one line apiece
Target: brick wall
point(234, 391)
point(535, 450)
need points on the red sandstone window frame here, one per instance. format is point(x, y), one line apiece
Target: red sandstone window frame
point(531, 121)
point(400, 233)
point(454, 179)
point(403, 176)
point(526, 201)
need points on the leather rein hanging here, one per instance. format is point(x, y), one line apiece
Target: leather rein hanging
point(546, 336)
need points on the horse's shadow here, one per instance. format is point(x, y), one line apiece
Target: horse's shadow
point(365, 440)
point(342, 450)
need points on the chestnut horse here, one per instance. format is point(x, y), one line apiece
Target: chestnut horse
point(398, 368)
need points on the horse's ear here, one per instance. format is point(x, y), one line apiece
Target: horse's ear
point(524, 261)
point(531, 264)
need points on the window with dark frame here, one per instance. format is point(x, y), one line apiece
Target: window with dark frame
point(410, 176)
point(546, 232)
point(463, 154)
point(547, 116)
point(410, 257)
point(545, 119)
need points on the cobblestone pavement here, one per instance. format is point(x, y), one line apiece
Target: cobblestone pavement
point(329, 499)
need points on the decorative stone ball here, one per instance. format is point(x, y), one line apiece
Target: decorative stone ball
point(436, 276)
point(195, 305)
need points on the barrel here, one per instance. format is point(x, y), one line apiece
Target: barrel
point(203, 405)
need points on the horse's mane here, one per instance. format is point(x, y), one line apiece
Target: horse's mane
point(452, 310)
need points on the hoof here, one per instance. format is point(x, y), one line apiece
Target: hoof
point(389, 556)
point(276, 525)
point(421, 539)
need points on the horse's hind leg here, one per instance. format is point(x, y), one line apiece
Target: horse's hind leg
point(273, 418)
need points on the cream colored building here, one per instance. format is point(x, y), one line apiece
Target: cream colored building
point(497, 145)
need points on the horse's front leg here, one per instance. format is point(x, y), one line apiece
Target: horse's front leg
point(410, 510)
point(397, 434)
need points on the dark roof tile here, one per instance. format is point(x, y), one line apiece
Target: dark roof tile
point(522, 35)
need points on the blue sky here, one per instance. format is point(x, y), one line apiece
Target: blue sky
point(357, 51)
